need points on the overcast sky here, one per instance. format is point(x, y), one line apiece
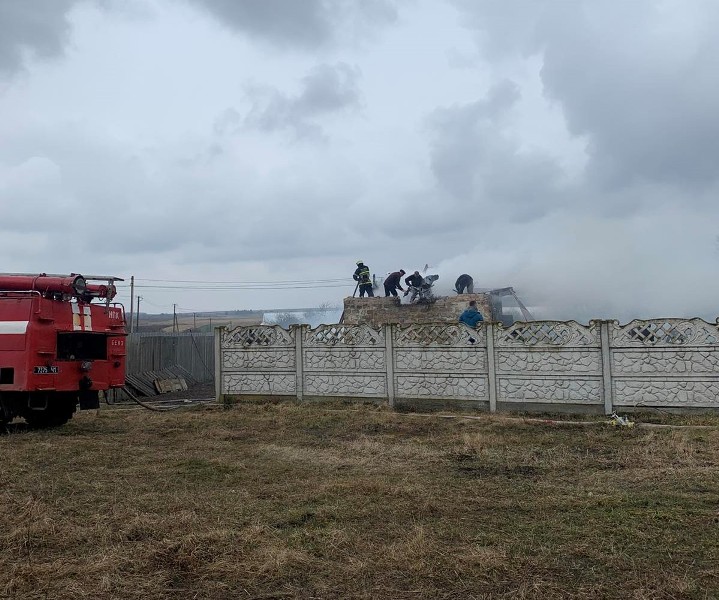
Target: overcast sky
point(569, 148)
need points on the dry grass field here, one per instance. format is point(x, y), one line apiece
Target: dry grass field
point(268, 501)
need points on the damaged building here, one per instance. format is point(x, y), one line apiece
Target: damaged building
point(500, 305)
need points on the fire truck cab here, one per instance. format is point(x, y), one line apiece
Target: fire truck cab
point(57, 347)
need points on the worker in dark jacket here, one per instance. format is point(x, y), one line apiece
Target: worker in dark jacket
point(363, 279)
point(414, 281)
point(392, 283)
point(464, 282)
point(471, 316)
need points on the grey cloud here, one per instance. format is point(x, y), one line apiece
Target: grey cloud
point(638, 79)
point(228, 121)
point(504, 27)
point(38, 28)
point(482, 167)
point(325, 91)
point(196, 212)
point(34, 190)
point(636, 83)
point(303, 24)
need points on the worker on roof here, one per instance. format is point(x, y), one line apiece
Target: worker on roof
point(464, 283)
point(415, 279)
point(413, 282)
point(471, 316)
point(393, 283)
point(363, 279)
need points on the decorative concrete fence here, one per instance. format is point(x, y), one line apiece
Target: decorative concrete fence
point(540, 365)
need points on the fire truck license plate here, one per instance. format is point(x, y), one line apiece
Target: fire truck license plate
point(46, 370)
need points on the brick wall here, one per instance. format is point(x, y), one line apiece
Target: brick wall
point(378, 311)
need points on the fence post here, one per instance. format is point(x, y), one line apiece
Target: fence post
point(607, 391)
point(491, 368)
point(299, 362)
point(389, 361)
point(218, 365)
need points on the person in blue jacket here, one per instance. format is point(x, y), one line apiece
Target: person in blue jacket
point(471, 316)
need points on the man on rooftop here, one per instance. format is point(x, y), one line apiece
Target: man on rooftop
point(364, 282)
point(393, 283)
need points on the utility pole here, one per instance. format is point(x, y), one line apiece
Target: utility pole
point(132, 299)
point(194, 321)
point(175, 328)
point(137, 320)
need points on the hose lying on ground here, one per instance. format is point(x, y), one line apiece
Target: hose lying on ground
point(493, 417)
point(557, 422)
point(149, 406)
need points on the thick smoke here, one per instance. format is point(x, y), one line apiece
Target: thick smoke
point(658, 265)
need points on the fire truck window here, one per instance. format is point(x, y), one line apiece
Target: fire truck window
point(7, 375)
point(81, 346)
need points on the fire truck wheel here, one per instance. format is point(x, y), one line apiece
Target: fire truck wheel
point(56, 414)
point(6, 414)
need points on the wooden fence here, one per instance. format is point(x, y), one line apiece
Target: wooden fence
point(155, 351)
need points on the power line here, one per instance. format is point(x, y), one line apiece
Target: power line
point(164, 306)
point(191, 310)
point(336, 279)
point(242, 287)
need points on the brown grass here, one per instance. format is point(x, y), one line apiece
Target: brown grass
point(288, 501)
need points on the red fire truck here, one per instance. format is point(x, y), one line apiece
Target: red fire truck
point(57, 347)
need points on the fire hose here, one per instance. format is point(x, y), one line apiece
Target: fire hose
point(149, 406)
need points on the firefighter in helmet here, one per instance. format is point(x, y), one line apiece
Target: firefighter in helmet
point(362, 277)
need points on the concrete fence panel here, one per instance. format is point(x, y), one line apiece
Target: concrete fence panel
point(437, 362)
point(258, 361)
point(539, 365)
point(551, 362)
point(665, 362)
point(344, 360)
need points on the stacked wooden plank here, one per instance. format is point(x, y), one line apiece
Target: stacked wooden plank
point(152, 383)
point(176, 384)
